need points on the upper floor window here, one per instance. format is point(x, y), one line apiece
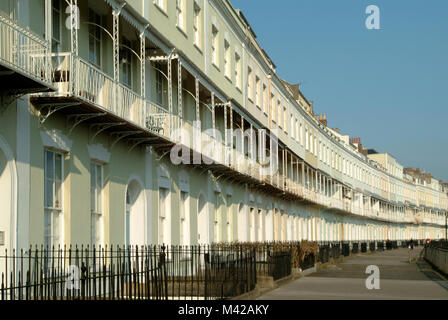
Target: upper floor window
point(297, 131)
point(56, 26)
point(238, 70)
point(306, 139)
point(250, 84)
point(215, 45)
point(197, 25)
point(257, 92)
point(180, 14)
point(161, 90)
point(160, 4)
point(311, 143)
point(293, 129)
point(94, 38)
point(126, 63)
point(227, 59)
point(278, 113)
point(265, 99)
point(285, 119)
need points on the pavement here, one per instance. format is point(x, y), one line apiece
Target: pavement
point(398, 280)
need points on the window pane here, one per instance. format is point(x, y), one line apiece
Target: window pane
point(49, 178)
point(92, 188)
point(99, 188)
point(91, 49)
point(58, 181)
point(55, 229)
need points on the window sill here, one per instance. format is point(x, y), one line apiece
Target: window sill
point(181, 30)
point(198, 48)
point(162, 10)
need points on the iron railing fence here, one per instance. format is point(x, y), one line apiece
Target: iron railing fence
point(345, 249)
point(363, 247)
point(274, 259)
point(355, 247)
point(147, 272)
point(216, 271)
point(442, 244)
point(335, 250)
point(324, 252)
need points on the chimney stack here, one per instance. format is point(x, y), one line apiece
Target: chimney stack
point(323, 119)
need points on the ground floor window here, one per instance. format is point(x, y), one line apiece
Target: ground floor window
point(184, 219)
point(96, 202)
point(53, 172)
point(164, 223)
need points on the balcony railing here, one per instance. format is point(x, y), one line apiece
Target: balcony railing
point(97, 88)
point(23, 51)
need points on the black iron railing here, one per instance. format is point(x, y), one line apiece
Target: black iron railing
point(345, 249)
point(324, 253)
point(149, 272)
point(355, 247)
point(335, 250)
point(363, 247)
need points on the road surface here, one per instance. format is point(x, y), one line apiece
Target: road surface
point(399, 280)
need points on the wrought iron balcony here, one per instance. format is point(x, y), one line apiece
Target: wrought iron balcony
point(24, 59)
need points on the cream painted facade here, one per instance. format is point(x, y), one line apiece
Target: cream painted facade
point(85, 154)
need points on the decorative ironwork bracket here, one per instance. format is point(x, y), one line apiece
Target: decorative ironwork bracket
point(137, 141)
point(100, 127)
point(79, 118)
point(121, 135)
point(52, 108)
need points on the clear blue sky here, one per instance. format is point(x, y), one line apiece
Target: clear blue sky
point(389, 87)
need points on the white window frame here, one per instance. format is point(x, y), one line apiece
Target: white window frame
point(250, 84)
point(237, 70)
point(180, 15)
point(197, 12)
point(161, 4)
point(164, 225)
point(99, 39)
point(265, 99)
point(227, 61)
point(215, 46)
point(55, 211)
point(97, 214)
point(126, 64)
point(184, 219)
point(54, 40)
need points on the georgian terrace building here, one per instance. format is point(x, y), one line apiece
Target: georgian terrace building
point(93, 95)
